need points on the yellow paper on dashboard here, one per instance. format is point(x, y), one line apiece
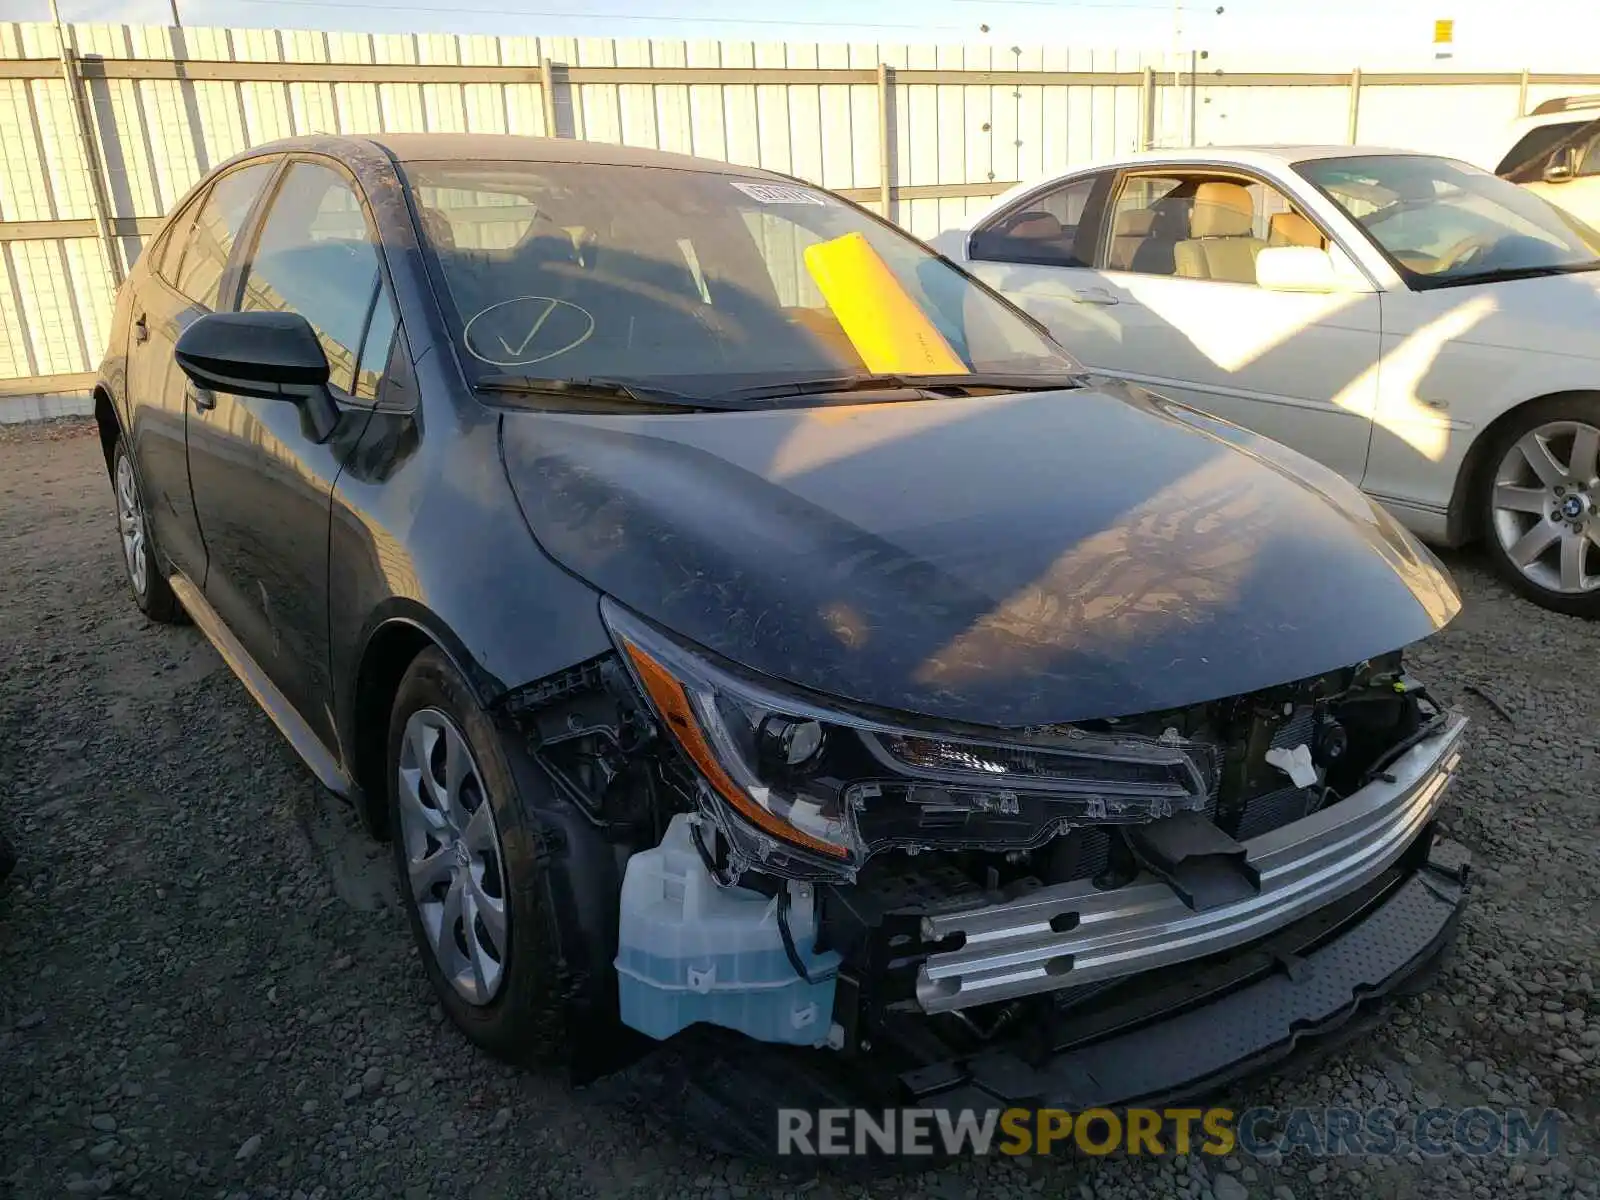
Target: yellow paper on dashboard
point(890, 332)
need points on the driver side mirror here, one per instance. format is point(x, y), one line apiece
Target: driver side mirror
point(1562, 165)
point(1296, 269)
point(271, 355)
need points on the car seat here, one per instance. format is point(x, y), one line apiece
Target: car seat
point(1221, 244)
point(1291, 229)
point(1129, 232)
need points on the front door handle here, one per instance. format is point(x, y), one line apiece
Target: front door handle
point(203, 400)
point(141, 330)
point(1093, 295)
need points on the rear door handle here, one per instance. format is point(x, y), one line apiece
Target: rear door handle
point(1093, 295)
point(141, 330)
point(203, 400)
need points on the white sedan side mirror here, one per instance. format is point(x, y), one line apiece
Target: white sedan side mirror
point(1296, 269)
point(1563, 165)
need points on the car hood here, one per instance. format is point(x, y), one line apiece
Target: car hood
point(1006, 560)
point(1548, 315)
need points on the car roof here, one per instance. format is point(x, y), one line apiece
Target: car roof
point(1259, 157)
point(1253, 155)
point(503, 147)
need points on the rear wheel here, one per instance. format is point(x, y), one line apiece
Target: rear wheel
point(476, 868)
point(140, 562)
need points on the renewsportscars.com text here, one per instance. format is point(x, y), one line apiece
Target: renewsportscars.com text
point(1255, 1132)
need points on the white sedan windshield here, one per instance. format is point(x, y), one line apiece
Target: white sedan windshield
point(1443, 222)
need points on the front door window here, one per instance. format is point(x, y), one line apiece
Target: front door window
point(316, 256)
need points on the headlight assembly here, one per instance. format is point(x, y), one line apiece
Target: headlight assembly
point(806, 787)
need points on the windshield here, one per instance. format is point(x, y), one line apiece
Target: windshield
point(1441, 222)
point(690, 280)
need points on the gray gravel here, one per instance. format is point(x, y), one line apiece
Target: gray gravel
point(206, 988)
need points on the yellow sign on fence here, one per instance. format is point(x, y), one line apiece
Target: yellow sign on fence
point(1444, 32)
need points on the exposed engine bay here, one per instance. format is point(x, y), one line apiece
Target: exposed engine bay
point(806, 880)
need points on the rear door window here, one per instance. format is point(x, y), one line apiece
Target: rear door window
point(168, 251)
point(316, 256)
point(1048, 229)
point(1149, 217)
point(197, 273)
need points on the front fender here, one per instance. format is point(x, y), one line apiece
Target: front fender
point(1441, 388)
point(426, 536)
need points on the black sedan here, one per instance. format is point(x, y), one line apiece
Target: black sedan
point(736, 616)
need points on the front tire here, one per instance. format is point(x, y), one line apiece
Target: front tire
point(480, 872)
point(1540, 503)
point(141, 564)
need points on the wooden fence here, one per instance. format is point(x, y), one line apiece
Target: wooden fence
point(100, 136)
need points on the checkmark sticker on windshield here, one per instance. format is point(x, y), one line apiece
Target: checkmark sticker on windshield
point(533, 332)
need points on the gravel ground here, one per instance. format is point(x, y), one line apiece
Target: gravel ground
point(206, 987)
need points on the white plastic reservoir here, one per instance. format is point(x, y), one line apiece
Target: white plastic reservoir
point(689, 950)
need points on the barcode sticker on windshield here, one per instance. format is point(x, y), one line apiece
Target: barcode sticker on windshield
point(778, 193)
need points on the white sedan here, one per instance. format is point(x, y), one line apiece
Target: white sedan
point(1427, 330)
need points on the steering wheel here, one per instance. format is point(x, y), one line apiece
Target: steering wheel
point(1468, 249)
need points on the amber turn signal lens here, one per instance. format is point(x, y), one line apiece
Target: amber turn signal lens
point(673, 703)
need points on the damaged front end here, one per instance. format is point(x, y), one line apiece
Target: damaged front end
point(812, 874)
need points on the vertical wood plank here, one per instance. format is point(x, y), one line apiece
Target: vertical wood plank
point(707, 108)
point(741, 120)
point(443, 104)
point(50, 321)
point(92, 286)
point(835, 126)
point(16, 355)
point(601, 119)
point(39, 146)
point(772, 112)
point(1067, 117)
point(864, 118)
point(805, 117)
point(636, 102)
point(951, 138)
point(400, 104)
point(359, 106)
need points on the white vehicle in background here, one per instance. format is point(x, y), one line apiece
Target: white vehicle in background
point(1427, 330)
point(1554, 152)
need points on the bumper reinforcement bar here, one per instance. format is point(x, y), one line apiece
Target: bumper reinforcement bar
point(1072, 934)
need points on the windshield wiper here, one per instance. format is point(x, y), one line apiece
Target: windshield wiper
point(1506, 274)
point(592, 387)
point(1007, 381)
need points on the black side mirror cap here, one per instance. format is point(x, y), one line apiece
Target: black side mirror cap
point(271, 355)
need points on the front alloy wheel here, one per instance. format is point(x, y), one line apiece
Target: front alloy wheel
point(452, 855)
point(510, 896)
point(1544, 512)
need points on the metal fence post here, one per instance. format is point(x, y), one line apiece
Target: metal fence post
point(885, 140)
point(1355, 105)
point(1194, 97)
point(1147, 109)
point(99, 202)
point(547, 93)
